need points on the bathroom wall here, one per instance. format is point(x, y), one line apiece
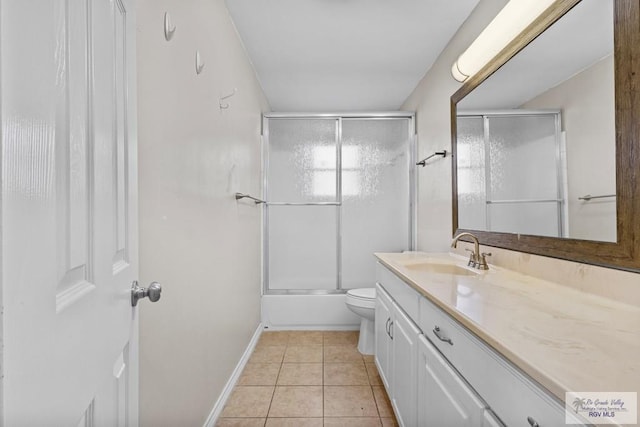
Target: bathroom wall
point(202, 245)
point(431, 101)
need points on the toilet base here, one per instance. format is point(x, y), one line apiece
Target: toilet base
point(366, 342)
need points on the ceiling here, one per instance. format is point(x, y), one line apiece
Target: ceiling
point(344, 55)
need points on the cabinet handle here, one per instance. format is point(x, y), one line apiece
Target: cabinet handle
point(387, 327)
point(391, 330)
point(532, 422)
point(436, 331)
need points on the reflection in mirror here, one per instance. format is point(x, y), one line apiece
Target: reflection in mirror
point(538, 135)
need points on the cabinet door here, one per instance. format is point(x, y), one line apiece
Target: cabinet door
point(444, 398)
point(383, 339)
point(404, 336)
point(490, 420)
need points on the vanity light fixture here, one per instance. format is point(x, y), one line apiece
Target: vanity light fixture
point(514, 18)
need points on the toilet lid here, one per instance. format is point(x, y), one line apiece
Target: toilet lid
point(366, 293)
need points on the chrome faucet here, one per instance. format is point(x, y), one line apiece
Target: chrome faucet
point(476, 259)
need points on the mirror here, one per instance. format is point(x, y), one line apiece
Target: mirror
point(542, 145)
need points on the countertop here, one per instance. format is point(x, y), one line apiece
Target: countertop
point(565, 339)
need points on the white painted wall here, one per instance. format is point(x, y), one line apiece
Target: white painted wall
point(202, 245)
point(587, 102)
point(431, 102)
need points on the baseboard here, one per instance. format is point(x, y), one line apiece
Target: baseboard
point(228, 388)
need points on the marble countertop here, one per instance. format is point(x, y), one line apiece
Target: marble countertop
point(565, 339)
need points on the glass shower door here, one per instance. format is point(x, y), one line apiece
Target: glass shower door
point(337, 189)
point(302, 213)
point(376, 200)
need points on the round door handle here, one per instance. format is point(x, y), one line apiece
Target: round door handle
point(152, 292)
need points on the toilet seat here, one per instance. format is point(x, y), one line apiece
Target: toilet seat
point(363, 293)
point(364, 297)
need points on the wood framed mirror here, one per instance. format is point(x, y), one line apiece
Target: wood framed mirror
point(622, 251)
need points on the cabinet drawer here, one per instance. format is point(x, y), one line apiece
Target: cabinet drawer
point(510, 394)
point(405, 296)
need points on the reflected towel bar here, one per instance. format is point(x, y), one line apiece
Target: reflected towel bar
point(260, 201)
point(589, 197)
point(242, 196)
point(423, 162)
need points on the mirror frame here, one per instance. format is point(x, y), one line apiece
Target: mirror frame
point(625, 253)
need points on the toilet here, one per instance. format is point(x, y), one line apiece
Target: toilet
point(363, 303)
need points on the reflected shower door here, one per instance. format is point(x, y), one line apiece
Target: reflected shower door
point(338, 190)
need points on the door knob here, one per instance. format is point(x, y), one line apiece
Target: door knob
point(137, 292)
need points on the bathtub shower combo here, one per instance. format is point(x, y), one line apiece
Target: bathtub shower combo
point(338, 188)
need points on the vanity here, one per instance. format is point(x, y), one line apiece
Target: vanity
point(462, 347)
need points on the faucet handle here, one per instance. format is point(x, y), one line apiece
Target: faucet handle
point(483, 260)
point(472, 258)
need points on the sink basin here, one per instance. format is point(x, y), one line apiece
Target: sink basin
point(440, 268)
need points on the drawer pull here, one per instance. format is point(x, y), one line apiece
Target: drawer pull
point(532, 422)
point(387, 327)
point(391, 330)
point(436, 331)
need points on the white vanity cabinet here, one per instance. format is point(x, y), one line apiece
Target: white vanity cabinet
point(437, 373)
point(396, 354)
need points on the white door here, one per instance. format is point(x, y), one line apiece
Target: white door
point(69, 212)
point(403, 371)
point(444, 398)
point(383, 337)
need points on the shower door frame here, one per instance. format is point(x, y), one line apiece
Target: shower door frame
point(337, 117)
point(561, 199)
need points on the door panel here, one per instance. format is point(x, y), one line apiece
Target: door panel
point(444, 398)
point(405, 350)
point(383, 340)
point(69, 249)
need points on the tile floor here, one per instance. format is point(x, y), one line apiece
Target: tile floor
point(308, 379)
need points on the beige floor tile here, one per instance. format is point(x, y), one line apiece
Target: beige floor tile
point(305, 337)
point(353, 422)
point(259, 374)
point(349, 401)
point(341, 338)
point(374, 375)
point(303, 354)
point(274, 338)
point(294, 422)
point(268, 354)
point(389, 422)
point(296, 401)
point(345, 374)
point(300, 374)
point(382, 400)
point(240, 422)
point(369, 358)
point(341, 354)
point(248, 401)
